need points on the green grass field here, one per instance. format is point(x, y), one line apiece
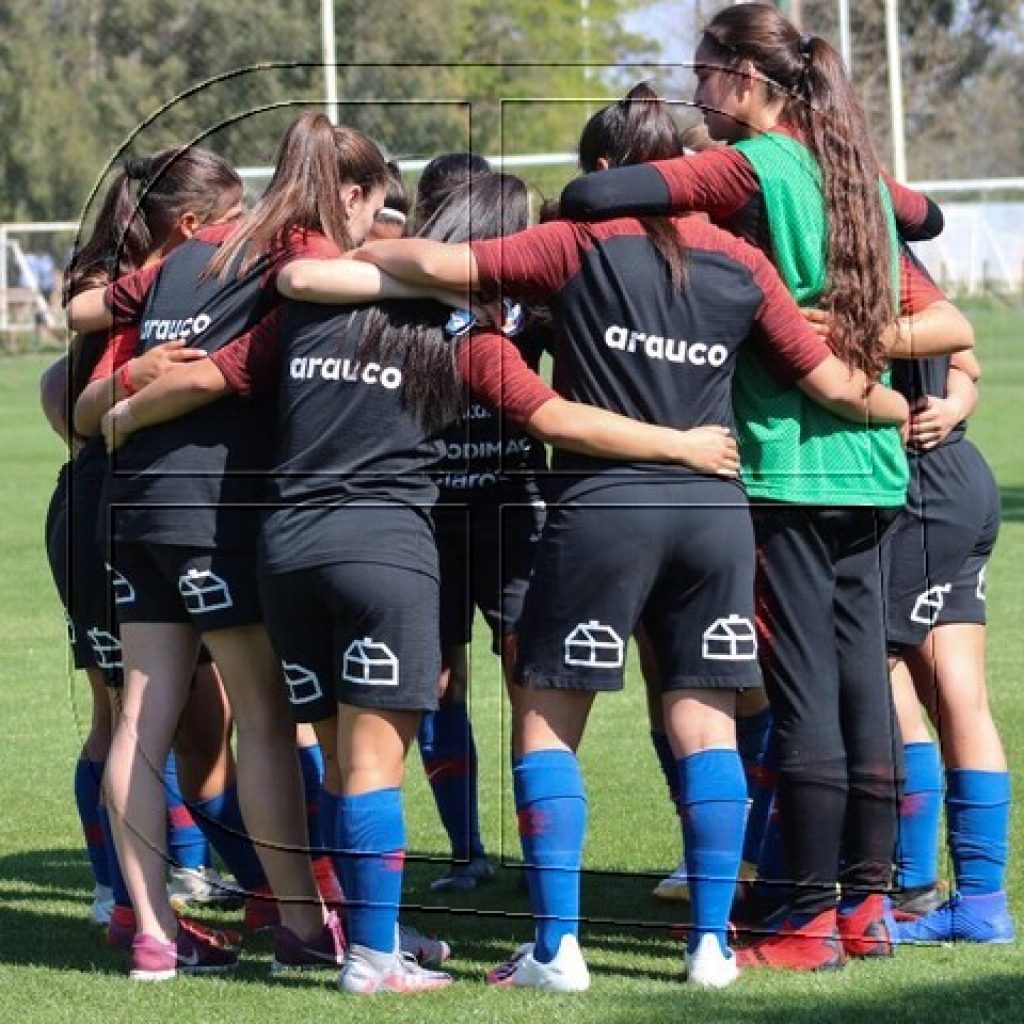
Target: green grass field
point(55, 967)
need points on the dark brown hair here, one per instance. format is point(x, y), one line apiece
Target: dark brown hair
point(636, 130)
point(487, 206)
point(315, 161)
point(439, 177)
point(142, 207)
point(821, 104)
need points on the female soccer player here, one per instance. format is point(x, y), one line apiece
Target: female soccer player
point(139, 220)
point(350, 566)
point(652, 325)
point(800, 180)
point(936, 627)
point(193, 568)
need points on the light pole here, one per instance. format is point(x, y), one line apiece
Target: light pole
point(330, 69)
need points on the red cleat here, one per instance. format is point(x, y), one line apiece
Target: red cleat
point(864, 931)
point(813, 946)
point(121, 931)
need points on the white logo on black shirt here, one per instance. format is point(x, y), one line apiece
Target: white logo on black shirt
point(369, 663)
point(204, 591)
point(980, 590)
point(330, 368)
point(303, 683)
point(594, 645)
point(928, 606)
point(163, 330)
point(654, 346)
point(729, 639)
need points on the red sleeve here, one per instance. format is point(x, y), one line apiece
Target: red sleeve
point(301, 245)
point(719, 181)
point(121, 346)
point(909, 207)
point(917, 290)
point(785, 340)
point(126, 297)
point(249, 362)
point(496, 373)
point(531, 265)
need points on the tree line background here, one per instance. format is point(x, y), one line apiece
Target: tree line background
point(78, 79)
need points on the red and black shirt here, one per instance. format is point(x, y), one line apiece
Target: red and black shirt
point(190, 481)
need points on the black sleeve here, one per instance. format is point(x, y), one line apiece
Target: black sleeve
point(931, 227)
point(636, 191)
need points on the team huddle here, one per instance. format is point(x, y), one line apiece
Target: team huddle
point(309, 441)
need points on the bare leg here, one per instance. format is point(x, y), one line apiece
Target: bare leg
point(202, 744)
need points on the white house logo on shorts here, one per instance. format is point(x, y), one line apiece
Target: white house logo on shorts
point(106, 647)
point(124, 592)
point(928, 606)
point(594, 645)
point(303, 684)
point(729, 639)
point(980, 591)
point(369, 663)
point(204, 591)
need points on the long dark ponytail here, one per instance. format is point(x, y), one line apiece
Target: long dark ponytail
point(412, 333)
point(819, 101)
point(636, 130)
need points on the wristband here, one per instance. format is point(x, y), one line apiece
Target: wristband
point(125, 380)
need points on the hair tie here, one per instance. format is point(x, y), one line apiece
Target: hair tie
point(804, 47)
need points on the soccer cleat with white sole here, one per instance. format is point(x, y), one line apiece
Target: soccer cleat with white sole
point(708, 966)
point(566, 972)
point(424, 949)
point(675, 887)
point(201, 887)
point(367, 972)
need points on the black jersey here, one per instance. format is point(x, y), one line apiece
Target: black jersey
point(351, 462)
point(484, 449)
point(191, 481)
point(628, 343)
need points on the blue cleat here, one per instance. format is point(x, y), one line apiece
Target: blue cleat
point(984, 918)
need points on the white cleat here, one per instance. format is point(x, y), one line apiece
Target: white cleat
point(708, 967)
point(676, 887)
point(567, 972)
point(424, 949)
point(367, 972)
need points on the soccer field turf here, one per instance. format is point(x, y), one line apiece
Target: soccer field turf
point(55, 967)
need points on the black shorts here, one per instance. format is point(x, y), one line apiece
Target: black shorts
point(78, 569)
point(355, 633)
point(486, 549)
point(210, 590)
point(941, 544)
point(679, 556)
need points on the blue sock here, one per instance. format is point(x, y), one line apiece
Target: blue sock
point(88, 776)
point(311, 761)
point(220, 818)
point(371, 838)
point(754, 744)
point(329, 809)
point(714, 798)
point(117, 883)
point(552, 811)
point(977, 819)
point(449, 759)
point(917, 842)
point(186, 844)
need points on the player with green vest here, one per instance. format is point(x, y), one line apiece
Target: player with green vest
point(802, 182)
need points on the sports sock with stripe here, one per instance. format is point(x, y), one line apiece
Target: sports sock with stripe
point(88, 777)
point(552, 810)
point(917, 842)
point(449, 759)
point(186, 844)
point(371, 841)
point(753, 740)
point(311, 761)
point(713, 794)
